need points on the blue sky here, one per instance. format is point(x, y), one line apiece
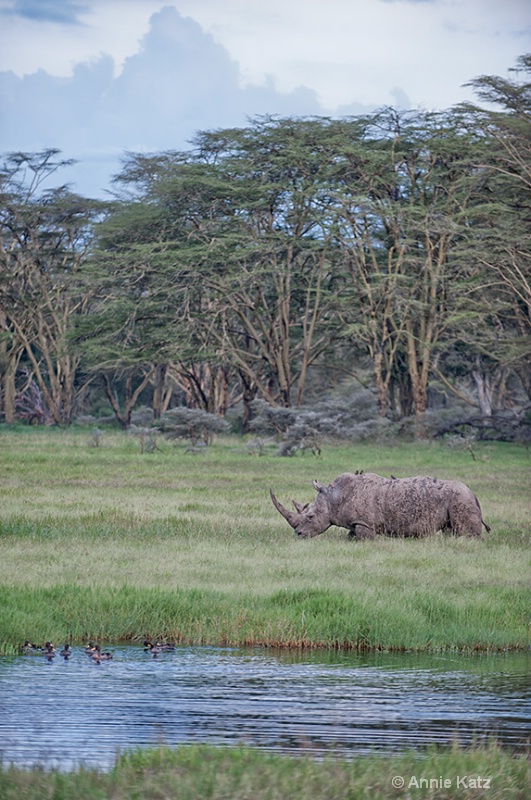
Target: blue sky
point(97, 78)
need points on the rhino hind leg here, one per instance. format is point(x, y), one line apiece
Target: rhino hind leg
point(467, 524)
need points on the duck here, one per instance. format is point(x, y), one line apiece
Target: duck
point(98, 656)
point(90, 648)
point(49, 653)
point(29, 647)
point(158, 647)
point(66, 652)
point(167, 646)
point(47, 647)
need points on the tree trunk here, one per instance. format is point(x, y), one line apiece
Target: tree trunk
point(7, 388)
point(405, 395)
point(222, 391)
point(382, 386)
point(524, 373)
point(159, 379)
point(417, 363)
point(484, 392)
point(249, 392)
point(124, 415)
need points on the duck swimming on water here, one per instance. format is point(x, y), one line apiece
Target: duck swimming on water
point(157, 648)
point(29, 647)
point(49, 652)
point(166, 646)
point(98, 656)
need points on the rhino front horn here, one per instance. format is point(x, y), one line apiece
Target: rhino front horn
point(290, 516)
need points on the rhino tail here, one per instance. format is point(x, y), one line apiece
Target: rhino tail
point(487, 527)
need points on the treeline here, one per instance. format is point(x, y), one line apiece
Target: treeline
point(274, 261)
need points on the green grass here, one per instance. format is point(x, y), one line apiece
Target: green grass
point(108, 543)
point(209, 773)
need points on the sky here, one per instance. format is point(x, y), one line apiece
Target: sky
point(100, 78)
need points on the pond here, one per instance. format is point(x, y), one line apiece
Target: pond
point(61, 714)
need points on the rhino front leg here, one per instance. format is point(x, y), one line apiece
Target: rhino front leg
point(360, 531)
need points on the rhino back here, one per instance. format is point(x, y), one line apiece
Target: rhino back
point(418, 506)
point(414, 506)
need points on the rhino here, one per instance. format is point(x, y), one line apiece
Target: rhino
point(368, 504)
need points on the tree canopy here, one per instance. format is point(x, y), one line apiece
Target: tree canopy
point(269, 261)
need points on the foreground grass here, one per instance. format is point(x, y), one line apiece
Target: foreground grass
point(403, 595)
point(110, 544)
point(209, 773)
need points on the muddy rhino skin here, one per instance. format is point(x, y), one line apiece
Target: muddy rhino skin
point(368, 504)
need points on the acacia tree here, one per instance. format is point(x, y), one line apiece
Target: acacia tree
point(44, 237)
point(227, 271)
point(123, 340)
point(368, 237)
point(148, 329)
point(503, 252)
point(270, 265)
point(405, 188)
point(231, 259)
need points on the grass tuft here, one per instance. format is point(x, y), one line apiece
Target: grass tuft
point(217, 773)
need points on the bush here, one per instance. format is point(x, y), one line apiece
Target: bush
point(198, 426)
point(146, 436)
point(353, 418)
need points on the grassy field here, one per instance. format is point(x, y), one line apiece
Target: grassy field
point(111, 544)
point(208, 773)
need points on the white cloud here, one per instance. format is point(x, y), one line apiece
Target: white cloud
point(179, 82)
point(341, 47)
point(359, 49)
point(97, 77)
point(113, 27)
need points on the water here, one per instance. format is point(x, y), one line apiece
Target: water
point(62, 714)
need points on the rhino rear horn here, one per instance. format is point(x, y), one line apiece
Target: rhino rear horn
point(290, 516)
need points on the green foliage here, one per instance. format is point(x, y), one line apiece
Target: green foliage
point(238, 268)
point(366, 617)
point(216, 773)
point(45, 236)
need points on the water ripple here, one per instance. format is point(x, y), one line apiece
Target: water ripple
point(61, 714)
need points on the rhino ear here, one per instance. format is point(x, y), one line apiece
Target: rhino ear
point(319, 487)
